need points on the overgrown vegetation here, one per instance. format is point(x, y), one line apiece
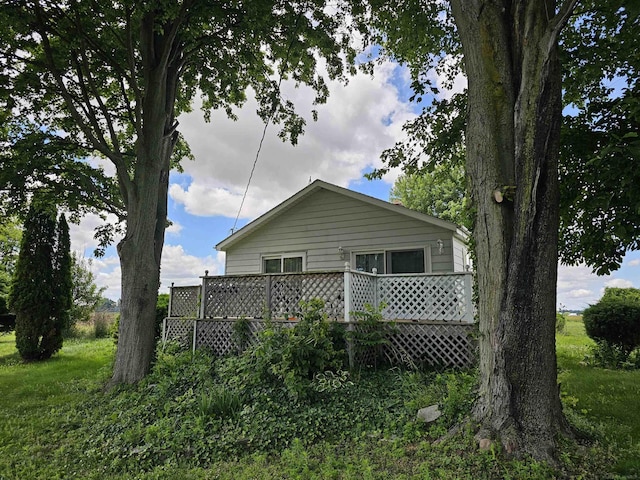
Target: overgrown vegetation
point(200, 417)
point(85, 292)
point(370, 336)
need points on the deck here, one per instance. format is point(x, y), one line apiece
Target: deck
point(434, 312)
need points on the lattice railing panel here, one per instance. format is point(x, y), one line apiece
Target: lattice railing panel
point(179, 330)
point(184, 301)
point(287, 291)
point(285, 294)
point(216, 335)
point(421, 297)
point(434, 344)
point(241, 296)
point(330, 288)
point(363, 291)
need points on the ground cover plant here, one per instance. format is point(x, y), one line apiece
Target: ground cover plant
point(191, 418)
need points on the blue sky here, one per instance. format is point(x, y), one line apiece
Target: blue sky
point(358, 122)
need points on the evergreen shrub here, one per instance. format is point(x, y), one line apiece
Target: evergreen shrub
point(614, 324)
point(40, 293)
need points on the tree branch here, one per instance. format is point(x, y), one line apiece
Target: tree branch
point(96, 142)
point(98, 98)
point(561, 18)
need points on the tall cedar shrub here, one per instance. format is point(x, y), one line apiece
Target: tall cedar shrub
point(63, 286)
point(38, 295)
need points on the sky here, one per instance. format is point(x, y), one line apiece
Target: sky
point(359, 121)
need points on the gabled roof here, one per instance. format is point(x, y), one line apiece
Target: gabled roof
point(318, 185)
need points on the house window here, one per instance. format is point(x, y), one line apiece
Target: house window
point(272, 265)
point(291, 264)
point(366, 262)
point(285, 263)
point(406, 261)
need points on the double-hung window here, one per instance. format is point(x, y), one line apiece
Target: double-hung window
point(283, 263)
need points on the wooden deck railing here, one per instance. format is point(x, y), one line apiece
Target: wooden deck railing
point(411, 297)
point(434, 311)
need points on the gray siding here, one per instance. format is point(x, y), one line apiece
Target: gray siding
point(325, 220)
point(459, 256)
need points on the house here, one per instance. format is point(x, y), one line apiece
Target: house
point(323, 225)
point(350, 250)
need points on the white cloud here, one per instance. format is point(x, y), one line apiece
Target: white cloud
point(175, 228)
point(578, 286)
point(618, 283)
point(579, 293)
point(108, 276)
point(180, 268)
point(635, 262)
point(359, 121)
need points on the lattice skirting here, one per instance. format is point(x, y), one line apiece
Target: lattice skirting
point(429, 344)
point(447, 345)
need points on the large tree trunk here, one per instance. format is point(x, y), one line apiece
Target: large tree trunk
point(140, 250)
point(140, 254)
point(512, 147)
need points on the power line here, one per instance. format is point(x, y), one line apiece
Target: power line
point(274, 108)
point(255, 161)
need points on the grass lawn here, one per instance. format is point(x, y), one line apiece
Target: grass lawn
point(608, 398)
point(34, 397)
point(47, 431)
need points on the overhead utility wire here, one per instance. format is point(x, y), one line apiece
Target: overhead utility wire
point(266, 124)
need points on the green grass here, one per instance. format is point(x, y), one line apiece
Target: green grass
point(607, 398)
point(36, 399)
point(56, 422)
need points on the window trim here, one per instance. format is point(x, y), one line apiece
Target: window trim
point(281, 257)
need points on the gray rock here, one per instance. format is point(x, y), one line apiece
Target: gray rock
point(429, 414)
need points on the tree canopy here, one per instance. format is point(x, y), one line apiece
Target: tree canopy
point(599, 207)
point(441, 193)
point(84, 80)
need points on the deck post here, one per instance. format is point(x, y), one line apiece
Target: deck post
point(267, 295)
point(195, 333)
point(164, 332)
point(347, 313)
point(170, 301)
point(376, 294)
point(468, 292)
point(203, 296)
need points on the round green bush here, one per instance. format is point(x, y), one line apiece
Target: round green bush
point(616, 322)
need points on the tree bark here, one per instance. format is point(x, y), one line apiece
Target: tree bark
point(512, 146)
point(140, 251)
